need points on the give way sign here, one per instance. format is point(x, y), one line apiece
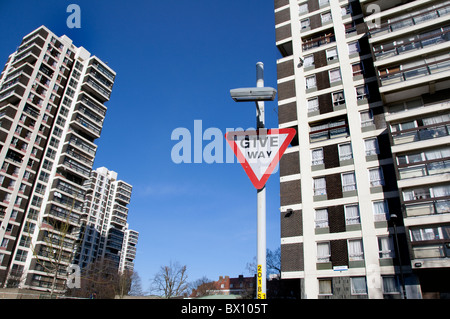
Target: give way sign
point(259, 151)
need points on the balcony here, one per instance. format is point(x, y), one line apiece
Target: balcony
point(319, 41)
point(411, 19)
point(331, 130)
point(75, 167)
point(426, 207)
point(412, 43)
point(98, 108)
point(421, 133)
point(86, 126)
point(82, 145)
point(95, 89)
point(420, 71)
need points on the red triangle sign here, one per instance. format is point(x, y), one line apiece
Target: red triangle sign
point(259, 151)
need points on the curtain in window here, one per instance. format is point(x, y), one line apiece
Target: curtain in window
point(359, 285)
point(310, 82)
point(371, 146)
point(323, 252)
point(325, 287)
point(352, 215)
point(376, 177)
point(321, 218)
point(317, 156)
point(440, 191)
point(353, 47)
point(313, 105)
point(386, 247)
point(331, 54)
point(355, 250)
point(348, 182)
point(320, 186)
point(338, 98)
point(345, 152)
point(390, 284)
point(361, 92)
point(308, 61)
point(335, 75)
point(380, 210)
point(436, 119)
point(366, 118)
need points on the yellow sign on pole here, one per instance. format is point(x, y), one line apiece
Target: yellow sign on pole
point(261, 295)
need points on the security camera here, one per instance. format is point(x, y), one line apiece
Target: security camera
point(253, 94)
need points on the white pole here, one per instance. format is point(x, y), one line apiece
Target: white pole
point(261, 201)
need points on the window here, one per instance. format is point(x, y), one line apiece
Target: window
point(305, 24)
point(358, 69)
point(359, 286)
point(386, 247)
point(303, 8)
point(323, 252)
point(321, 218)
point(338, 98)
point(346, 10)
point(323, 2)
point(313, 105)
point(371, 145)
point(353, 47)
point(335, 75)
point(317, 156)
point(21, 255)
point(331, 54)
point(325, 17)
point(325, 287)
point(345, 151)
point(366, 118)
point(390, 285)
point(376, 177)
point(437, 232)
point(5, 242)
point(362, 92)
point(308, 61)
point(348, 182)
point(311, 82)
point(355, 250)
point(319, 186)
point(352, 215)
point(380, 210)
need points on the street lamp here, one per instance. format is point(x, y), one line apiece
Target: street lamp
point(259, 94)
point(394, 218)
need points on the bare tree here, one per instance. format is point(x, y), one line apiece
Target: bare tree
point(136, 285)
point(273, 262)
point(171, 281)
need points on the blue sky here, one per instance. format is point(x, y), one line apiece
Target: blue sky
point(176, 61)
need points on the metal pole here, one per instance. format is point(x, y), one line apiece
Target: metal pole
point(261, 201)
point(402, 280)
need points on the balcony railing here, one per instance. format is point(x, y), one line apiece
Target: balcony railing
point(328, 131)
point(427, 207)
point(319, 41)
point(422, 70)
point(79, 143)
point(431, 251)
point(411, 19)
point(420, 169)
point(412, 43)
point(421, 133)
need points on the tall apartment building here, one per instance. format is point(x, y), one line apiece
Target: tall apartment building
point(52, 97)
point(128, 253)
point(106, 235)
point(365, 185)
